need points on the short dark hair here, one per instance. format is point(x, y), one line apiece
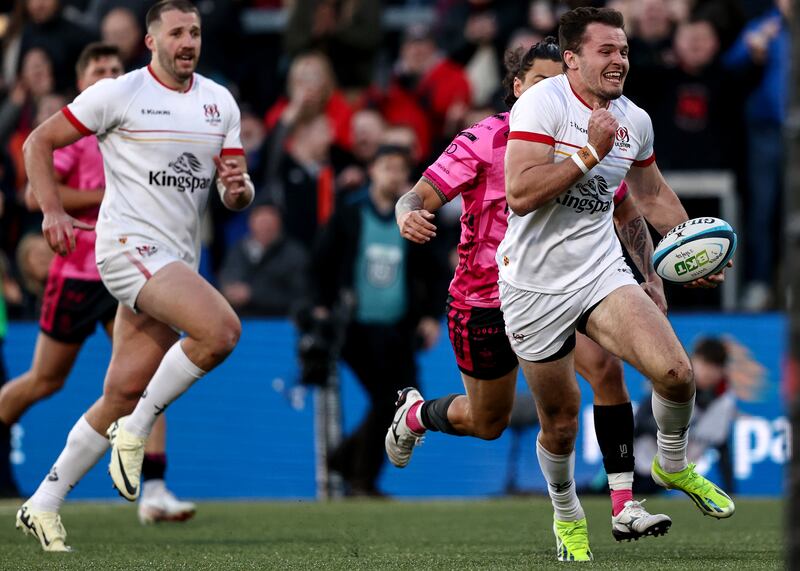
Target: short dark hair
point(155, 11)
point(393, 150)
point(94, 51)
point(711, 350)
point(518, 62)
point(572, 25)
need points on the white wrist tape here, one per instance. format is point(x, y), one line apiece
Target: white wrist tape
point(248, 183)
point(577, 160)
point(593, 151)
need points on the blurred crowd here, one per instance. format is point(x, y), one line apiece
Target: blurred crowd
point(336, 80)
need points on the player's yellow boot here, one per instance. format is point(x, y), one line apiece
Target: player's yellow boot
point(706, 495)
point(572, 540)
point(44, 526)
point(127, 455)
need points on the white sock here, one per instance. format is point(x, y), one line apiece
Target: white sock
point(85, 447)
point(152, 487)
point(673, 420)
point(559, 471)
point(174, 376)
point(620, 481)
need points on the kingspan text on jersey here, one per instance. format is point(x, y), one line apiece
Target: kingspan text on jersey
point(181, 182)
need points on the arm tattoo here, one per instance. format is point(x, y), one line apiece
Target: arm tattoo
point(409, 202)
point(436, 188)
point(636, 238)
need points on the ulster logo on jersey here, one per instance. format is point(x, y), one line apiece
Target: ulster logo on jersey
point(594, 196)
point(623, 139)
point(211, 112)
point(186, 167)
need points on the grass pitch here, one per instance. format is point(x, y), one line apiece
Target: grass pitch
point(457, 535)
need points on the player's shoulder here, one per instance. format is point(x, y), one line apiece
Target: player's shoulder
point(207, 84)
point(129, 82)
point(638, 116)
point(116, 87)
point(482, 135)
point(551, 91)
point(491, 123)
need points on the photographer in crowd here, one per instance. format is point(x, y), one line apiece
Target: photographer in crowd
point(399, 291)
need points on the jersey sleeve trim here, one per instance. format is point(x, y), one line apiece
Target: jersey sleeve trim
point(646, 162)
point(621, 193)
point(82, 129)
point(532, 137)
point(231, 152)
point(437, 184)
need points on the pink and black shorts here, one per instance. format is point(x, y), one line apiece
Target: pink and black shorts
point(72, 308)
point(478, 337)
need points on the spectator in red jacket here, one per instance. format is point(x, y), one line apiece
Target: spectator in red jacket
point(311, 89)
point(438, 85)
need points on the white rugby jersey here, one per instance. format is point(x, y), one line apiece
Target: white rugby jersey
point(158, 146)
point(565, 244)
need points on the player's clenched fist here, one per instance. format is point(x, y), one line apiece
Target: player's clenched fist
point(417, 226)
point(602, 129)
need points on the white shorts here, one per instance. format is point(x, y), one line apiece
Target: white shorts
point(125, 266)
point(538, 325)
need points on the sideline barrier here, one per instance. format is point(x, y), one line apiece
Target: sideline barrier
point(246, 430)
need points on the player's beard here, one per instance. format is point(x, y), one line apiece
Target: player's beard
point(608, 92)
point(171, 65)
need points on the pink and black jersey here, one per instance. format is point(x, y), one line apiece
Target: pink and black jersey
point(80, 166)
point(473, 166)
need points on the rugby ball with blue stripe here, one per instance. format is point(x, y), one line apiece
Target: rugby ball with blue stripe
point(694, 249)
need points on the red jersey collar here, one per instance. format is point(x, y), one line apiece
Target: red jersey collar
point(581, 99)
point(153, 74)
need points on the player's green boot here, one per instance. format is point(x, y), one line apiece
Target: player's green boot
point(706, 495)
point(572, 540)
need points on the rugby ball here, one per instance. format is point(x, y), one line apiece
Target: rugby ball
point(694, 249)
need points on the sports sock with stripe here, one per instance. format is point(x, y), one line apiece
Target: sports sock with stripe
point(559, 471)
point(673, 420)
point(174, 376)
point(85, 447)
point(621, 486)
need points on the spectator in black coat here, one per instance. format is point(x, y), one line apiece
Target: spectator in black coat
point(265, 273)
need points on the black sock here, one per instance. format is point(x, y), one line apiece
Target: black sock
point(154, 466)
point(614, 428)
point(8, 487)
point(434, 415)
point(5, 445)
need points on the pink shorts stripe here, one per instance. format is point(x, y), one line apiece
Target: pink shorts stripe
point(52, 293)
point(139, 265)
